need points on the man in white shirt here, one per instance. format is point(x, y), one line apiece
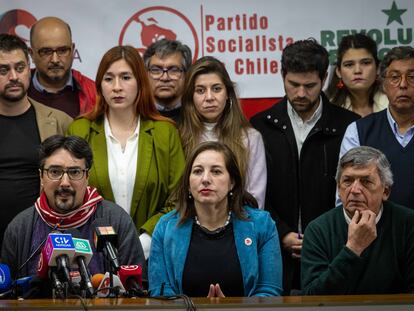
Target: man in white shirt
point(302, 136)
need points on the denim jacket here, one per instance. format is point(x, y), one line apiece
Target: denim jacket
point(257, 245)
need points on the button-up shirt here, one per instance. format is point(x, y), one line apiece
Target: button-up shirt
point(302, 128)
point(122, 166)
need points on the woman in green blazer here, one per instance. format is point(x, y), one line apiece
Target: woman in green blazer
point(125, 125)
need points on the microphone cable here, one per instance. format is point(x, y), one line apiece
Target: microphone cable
point(81, 299)
point(189, 304)
point(38, 248)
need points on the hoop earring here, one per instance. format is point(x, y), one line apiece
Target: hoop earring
point(230, 102)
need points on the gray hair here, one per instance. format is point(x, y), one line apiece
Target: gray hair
point(167, 47)
point(396, 53)
point(363, 156)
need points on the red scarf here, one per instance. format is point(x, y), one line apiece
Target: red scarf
point(73, 219)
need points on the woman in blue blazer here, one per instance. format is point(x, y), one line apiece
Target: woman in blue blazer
point(212, 244)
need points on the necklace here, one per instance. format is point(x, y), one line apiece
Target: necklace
point(215, 231)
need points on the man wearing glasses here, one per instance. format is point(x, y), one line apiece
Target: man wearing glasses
point(54, 83)
point(66, 201)
point(392, 130)
point(24, 124)
point(166, 62)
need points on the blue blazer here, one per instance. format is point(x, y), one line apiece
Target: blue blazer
point(260, 260)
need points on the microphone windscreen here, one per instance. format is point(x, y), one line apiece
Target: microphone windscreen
point(128, 273)
point(5, 278)
point(97, 279)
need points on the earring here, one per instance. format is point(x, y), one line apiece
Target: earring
point(230, 102)
point(231, 194)
point(340, 85)
point(189, 195)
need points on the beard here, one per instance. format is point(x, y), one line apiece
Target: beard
point(54, 74)
point(66, 204)
point(13, 97)
point(303, 106)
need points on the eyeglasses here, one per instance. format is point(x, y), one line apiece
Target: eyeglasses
point(56, 173)
point(60, 51)
point(173, 72)
point(395, 78)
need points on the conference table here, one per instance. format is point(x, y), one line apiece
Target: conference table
point(353, 302)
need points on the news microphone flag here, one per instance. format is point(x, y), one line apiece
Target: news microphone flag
point(104, 288)
point(131, 276)
point(82, 248)
point(58, 244)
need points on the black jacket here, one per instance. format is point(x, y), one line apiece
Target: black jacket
point(307, 185)
point(304, 186)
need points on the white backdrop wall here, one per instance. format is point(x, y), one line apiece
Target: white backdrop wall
point(247, 35)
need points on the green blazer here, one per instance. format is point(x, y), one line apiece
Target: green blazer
point(160, 164)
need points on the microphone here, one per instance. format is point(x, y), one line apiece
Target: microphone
point(5, 278)
point(106, 241)
point(97, 279)
point(83, 255)
point(5, 281)
point(58, 287)
point(131, 278)
point(104, 288)
point(58, 252)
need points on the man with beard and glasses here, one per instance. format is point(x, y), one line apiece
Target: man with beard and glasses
point(302, 136)
point(24, 124)
point(66, 201)
point(167, 61)
point(54, 83)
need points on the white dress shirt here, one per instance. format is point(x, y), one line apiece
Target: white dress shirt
point(122, 165)
point(302, 128)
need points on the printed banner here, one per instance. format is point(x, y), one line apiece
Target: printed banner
point(248, 36)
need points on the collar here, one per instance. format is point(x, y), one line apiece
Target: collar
point(380, 102)
point(209, 126)
point(161, 107)
point(377, 219)
point(295, 116)
point(394, 125)
point(108, 131)
point(39, 87)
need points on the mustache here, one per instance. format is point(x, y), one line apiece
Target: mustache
point(301, 100)
point(14, 84)
point(65, 191)
point(55, 67)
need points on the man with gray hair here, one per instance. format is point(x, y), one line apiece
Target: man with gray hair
point(166, 62)
point(366, 246)
point(392, 130)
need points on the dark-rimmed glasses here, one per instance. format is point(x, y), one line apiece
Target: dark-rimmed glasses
point(60, 51)
point(56, 172)
point(173, 72)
